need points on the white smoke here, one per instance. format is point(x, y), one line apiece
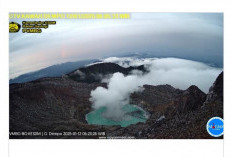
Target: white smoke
point(116, 96)
point(179, 73)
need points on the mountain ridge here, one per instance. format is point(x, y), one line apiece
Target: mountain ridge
point(96, 72)
point(61, 103)
point(52, 71)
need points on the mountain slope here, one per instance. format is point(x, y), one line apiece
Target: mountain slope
point(185, 117)
point(49, 104)
point(51, 71)
point(59, 104)
point(96, 72)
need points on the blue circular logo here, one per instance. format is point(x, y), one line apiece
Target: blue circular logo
point(215, 126)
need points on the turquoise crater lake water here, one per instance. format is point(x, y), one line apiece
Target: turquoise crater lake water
point(133, 115)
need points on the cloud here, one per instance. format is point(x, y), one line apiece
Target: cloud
point(116, 96)
point(179, 73)
point(189, 35)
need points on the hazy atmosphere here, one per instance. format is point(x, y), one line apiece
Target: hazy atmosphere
point(191, 36)
point(151, 76)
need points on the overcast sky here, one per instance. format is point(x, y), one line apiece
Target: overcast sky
point(189, 35)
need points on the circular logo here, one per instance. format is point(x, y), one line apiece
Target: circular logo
point(14, 27)
point(215, 126)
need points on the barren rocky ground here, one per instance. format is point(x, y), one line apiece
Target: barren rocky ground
point(57, 104)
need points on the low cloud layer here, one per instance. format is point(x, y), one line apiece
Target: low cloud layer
point(179, 73)
point(190, 35)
